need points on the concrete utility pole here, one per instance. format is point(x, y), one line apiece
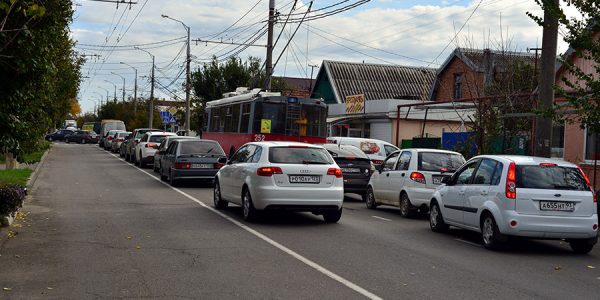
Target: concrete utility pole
point(134, 89)
point(543, 125)
point(269, 62)
point(115, 86)
point(151, 105)
point(312, 68)
point(187, 76)
point(123, 84)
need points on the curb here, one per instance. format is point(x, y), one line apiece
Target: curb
point(34, 175)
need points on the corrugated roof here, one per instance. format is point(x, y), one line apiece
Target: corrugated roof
point(500, 59)
point(377, 81)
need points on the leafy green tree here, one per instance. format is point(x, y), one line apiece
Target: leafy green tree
point(581, 32)
point(39, 71)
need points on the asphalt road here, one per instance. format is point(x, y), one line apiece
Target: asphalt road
point(99, 227)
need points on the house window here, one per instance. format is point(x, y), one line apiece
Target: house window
point(457, 86)
point(558, 140)
point(592, 145)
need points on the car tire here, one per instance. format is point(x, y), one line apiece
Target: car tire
point(490, 234)
point(154, 168)
point(332, 216)
point(67, 141)
point(162, 176)
point(172, 181)
point(370, 199)
point(582, 246)
point(407, 210)
point(436, 220)
point(82, 141)
point(50, 139)
point(249, 213)
point(217, 199)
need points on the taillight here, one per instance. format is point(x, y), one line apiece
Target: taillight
point(136, 142)
point(109, 138)
point(417, 177)
point(269, 171)
point(218, 165)
point(587, 181)
point(337, 172)
point(119, 140)
point(150, 145)
point(182, 165)
point(87, 136)
point(511, 181)
point(548, 165)
point(377, 161)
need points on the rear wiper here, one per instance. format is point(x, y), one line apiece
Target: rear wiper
point(563, 187)
point(310, 162)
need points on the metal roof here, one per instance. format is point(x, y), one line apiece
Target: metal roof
point(378, 81)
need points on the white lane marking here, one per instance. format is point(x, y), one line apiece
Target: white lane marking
point(261, 236)
point(381, 218)
point(467, 242)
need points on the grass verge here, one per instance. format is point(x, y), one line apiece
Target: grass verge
point(14, 177)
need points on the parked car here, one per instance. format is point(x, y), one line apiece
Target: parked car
point(106, 126)
point(58, 135)
point(147, 146)
point(281, 175)
point(82, 137)
point(191, 159)
point(163, 147)
point(356, 167)
point(110, 136)
point(376, 150)
point(133, 140)
point(123, 144)
point(92, 126)
point(502, 196)
point(408, 178)
point(118, 139)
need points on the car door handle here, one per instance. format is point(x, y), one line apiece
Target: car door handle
point(461, 192)
point(484, 192)
point(387, 174)
point(402, 174)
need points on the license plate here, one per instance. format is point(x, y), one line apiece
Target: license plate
point(304, 179)
point(202, 166)
point(437, 179)
point(557, 206)
point(350, 170)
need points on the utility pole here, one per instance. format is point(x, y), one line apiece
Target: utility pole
point(312, 68)
point(269, 62)
point(115, 96)
point(543, 124)
point(134, 89)
point(151, 105)
point(123, 84)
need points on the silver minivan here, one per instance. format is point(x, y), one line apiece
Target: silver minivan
point(534, 197)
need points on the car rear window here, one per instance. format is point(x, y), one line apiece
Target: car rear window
point(200, 147)
point(156, 138)
point(293, 155)
point(438, 161)
point(108, 126)
point(345, 151)
point(550, 178)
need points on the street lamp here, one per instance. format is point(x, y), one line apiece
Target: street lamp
point(123, 84)
point(151, 108)
point(187, 75)
point(115, 96)
point(106, 92)
point(134, 88)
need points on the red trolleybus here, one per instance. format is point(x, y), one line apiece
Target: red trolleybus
point(264, 116)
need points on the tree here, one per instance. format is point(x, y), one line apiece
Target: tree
point(75, 108)
point(39, 71)
point(583, 91)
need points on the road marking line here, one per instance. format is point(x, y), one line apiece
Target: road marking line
point(381, 218)
point(261, 236)
point(467, 242)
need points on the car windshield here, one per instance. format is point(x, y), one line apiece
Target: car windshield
point(200, 147)
point(156, 138)
point(299, 155)
point(439, 161)
point(114, 126)
point(550, 178)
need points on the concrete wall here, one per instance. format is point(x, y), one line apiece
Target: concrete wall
point(412, 128)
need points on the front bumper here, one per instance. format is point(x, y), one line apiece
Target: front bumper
point(550, 227)
point(298, 199)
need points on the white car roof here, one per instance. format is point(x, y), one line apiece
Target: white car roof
point(430, 150)
point(343, 138)
point(160, 133)
point(530, 160)
point(275, 144)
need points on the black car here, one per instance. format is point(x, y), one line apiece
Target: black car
point(191, 159)
point(82, 137)
point(356, 167)
point(59, 135)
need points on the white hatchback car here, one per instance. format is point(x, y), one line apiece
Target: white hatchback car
point(409, 177)
point(502, 195)
point(147, 147)
point(281, 176)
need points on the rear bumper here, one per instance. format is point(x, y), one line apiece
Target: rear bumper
point(550, 227)
point(298, 199)
point(420, 195)
point(147, 159)
point(194, 173)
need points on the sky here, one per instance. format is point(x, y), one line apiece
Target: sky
point(411, 33)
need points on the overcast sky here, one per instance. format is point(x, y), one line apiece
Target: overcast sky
point(416, 33)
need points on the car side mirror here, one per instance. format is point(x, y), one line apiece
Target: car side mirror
point(223, 160)
point(447, 180)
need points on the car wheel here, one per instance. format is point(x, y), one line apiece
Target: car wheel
point(154, 168)
point(332, 216)
point(248, 210)
point(583, 246)
point(406, 208)
point(162, 176)
point(50, 139)
point(370, 201)
point(217, 199)
point(172, 181)
point(67, 141)
point(491, 236)
point(436, 220)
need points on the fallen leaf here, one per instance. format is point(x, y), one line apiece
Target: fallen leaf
point(128, 237)
point(591, 267)
point(557, 268)
point(138, 247)
point(7, 289)
point(49, 288)
point(17, 256)
point(15, 225)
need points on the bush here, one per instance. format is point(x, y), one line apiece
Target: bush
point(11, 199)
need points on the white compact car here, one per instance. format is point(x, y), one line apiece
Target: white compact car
point(281, 176)
point(409, 177)
point(146, 148)
point(502, 196)
point(376, 150)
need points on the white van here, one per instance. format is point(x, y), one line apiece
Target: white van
point(376, 150)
